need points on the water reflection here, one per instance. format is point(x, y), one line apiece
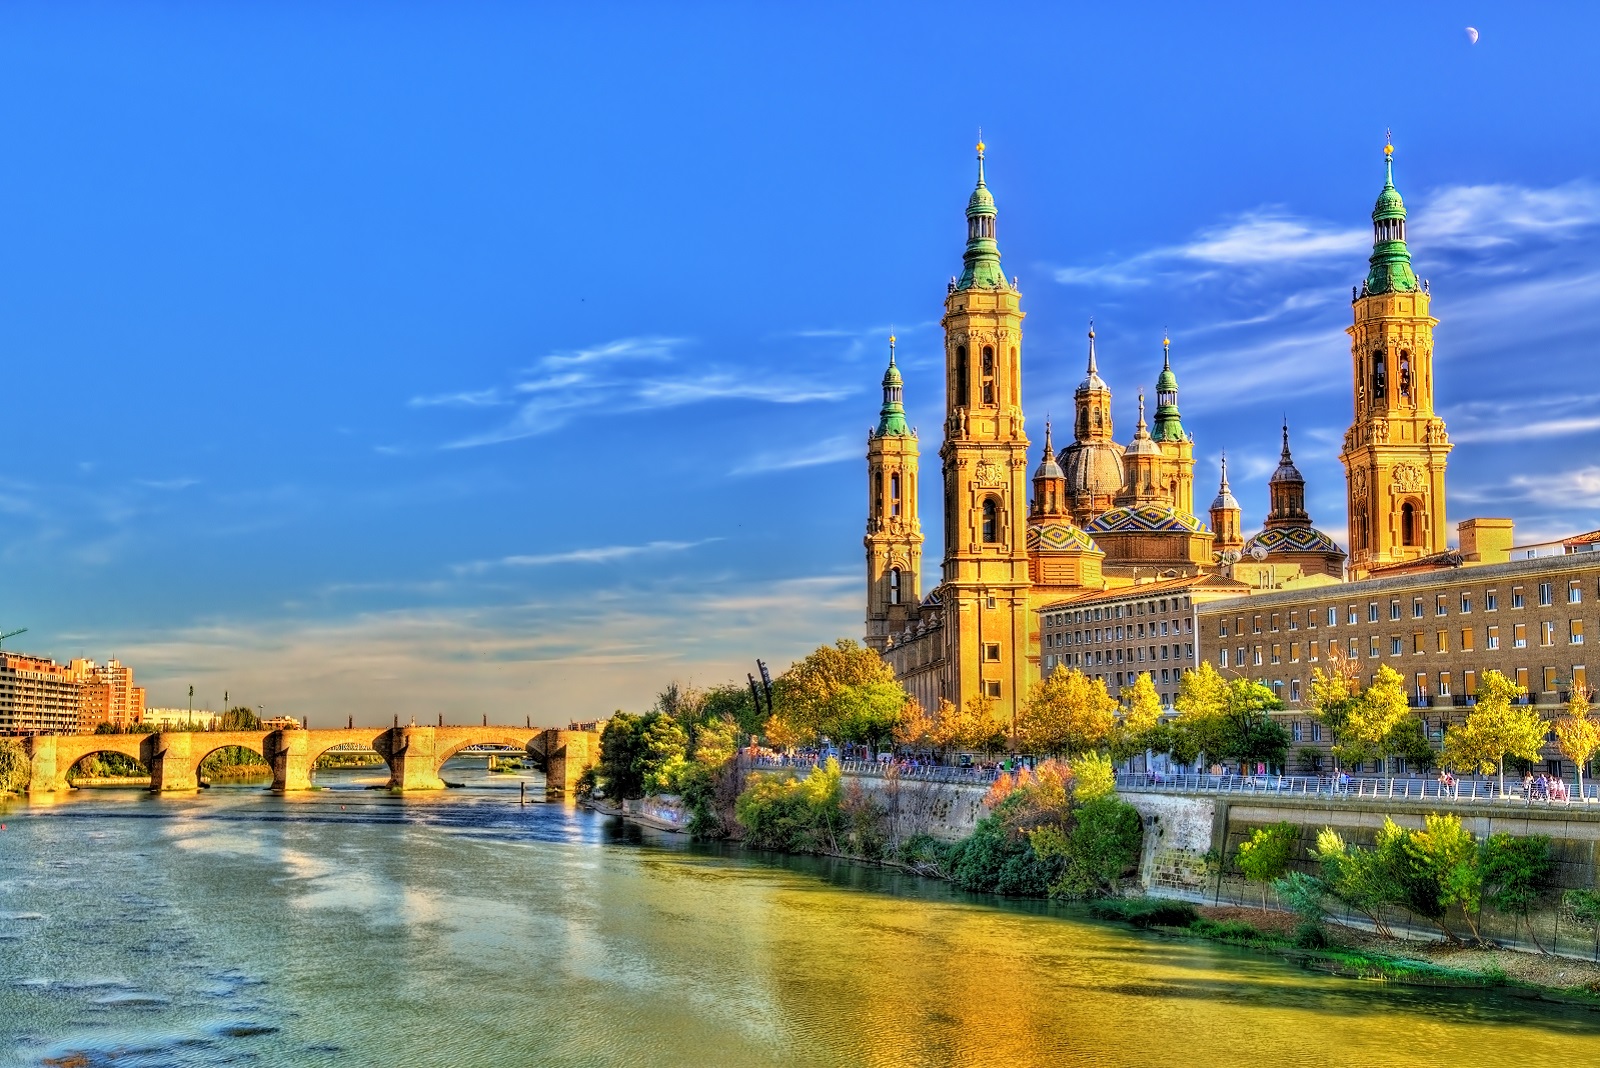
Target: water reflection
point(348, 926)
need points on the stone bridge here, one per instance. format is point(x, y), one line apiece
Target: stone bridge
point(414, 754)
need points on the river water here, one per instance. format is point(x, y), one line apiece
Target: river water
point(350, 927)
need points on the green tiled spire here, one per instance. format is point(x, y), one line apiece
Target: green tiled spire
point(892, 416)
point(1169, 426)
point(1391, 260)
point(981, 261)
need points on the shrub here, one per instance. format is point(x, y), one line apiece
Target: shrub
point(15, 769)
point(1097, 852)
point(796, 815)
point(1265, 856)
point(1145, 911)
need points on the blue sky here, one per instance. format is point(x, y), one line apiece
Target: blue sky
point(372, 359)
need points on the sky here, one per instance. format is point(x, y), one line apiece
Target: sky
point(373, 359)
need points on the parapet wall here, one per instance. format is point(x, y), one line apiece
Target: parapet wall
point(1185, 836)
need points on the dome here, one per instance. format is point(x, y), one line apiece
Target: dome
point(1060, 538)
point(1225, 501)
point(1092, 380)
point(1093, 468)
point(1144, 519)
point(1294, 540)
point(1048, 468)
point(1287, 471)
point(981, 202)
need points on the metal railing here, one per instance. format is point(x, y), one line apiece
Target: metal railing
point(882, 770)
point(1460, 791)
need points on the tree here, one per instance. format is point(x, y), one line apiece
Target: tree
point(1375, 713)
point(1066, 712)
point(619, 754)
point(1361, 878)
point(914, 727)
point(1252, 735)
point(1093, 777)
point(1438, 866)
point(1097, 851)
point(1577, 734)
point(732, 700)
point(1409, 741)
point(840, 689)
point(16, 770)
point(1515, 872)
point(1333, 698)
point(682, 702)
point(1202, 722)
point(960, 728)
point(1135, 728)
point(239, 718)
point(1265, 855)
point(663, 750)
point(1495, 728)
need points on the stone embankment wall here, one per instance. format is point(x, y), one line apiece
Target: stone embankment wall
point(1186, 835)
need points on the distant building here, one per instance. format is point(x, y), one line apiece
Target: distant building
point(169, 718)
point(280, 723)
point(37, 696)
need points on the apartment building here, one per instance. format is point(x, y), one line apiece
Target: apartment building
point(37, 695)
point(1441, 628)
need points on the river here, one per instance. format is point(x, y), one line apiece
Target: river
point(350, 927)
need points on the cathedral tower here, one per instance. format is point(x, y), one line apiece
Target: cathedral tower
point(1093, 462)
point(894, 535)
point(1177, 447)
point(984, 590)
point(1395, 450)
point(1225, 518)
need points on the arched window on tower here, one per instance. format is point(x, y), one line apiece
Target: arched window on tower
point(1380, 377)
point(877, 494)
point(1409, 534)
point(1405, 374)
point(988, 375)
point(894, 585)
point(894, 494)
point(961, 376)
point(991, 520)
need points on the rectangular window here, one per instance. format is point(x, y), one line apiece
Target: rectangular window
point(1516, 597)
point(1492, 638)
point(1295, 729)
point(1294, 652)
point(1238, 657)
point(1547, 594)
point(1444, 684)
point(1422, 683)
point(1316, 731)
point(991, 688)
point(1469, 682)
point(1466, 603)
point(1372, 646)
point(1395, 645)
point(1294, 692)
point(1394, 609)
point(1277, 654)
point(991, 651)
point(1491, 601)
point(1257, 659)
point(1466, 640)
point(1222, 658)
point(1575, 632)
point(1574, 594)
point(1416, 608)
point(1442, 642)
point(1255, 625)
point(1519, 636)
point(1522, 678)
point(1333, 617)
point(1354, 652)
point(1352, 616)
point(1416, 642)
point(1223, 632)
point(1550, 676)
point(1440, 606)
point(1372, 612)
point(1547, 633)
point(1274, 622)
point(1294, 620)
point(1579, 678)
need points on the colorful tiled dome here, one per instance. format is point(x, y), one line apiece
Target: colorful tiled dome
point(1146, 519)
point(1060, 538)
point(1294, 540)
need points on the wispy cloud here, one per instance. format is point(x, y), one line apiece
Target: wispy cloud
point(602, 554)
point(1526, 419)
point(832, 450)
point(1484, 216)
point(624, 375)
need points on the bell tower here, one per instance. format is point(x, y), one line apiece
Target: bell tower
point(1395, 450)
point(985, 581)
point(894, 535)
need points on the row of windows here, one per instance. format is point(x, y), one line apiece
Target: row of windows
point(1547, 597)
point(1152, 607)
point(1129, 656)
point(1559, 680)
point(1128, 632)
point(1419, 643)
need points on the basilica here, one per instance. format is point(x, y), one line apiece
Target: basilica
point(1023, 532)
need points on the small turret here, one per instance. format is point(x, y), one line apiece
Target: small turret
point(981, 261)
point(1226, 516)
point(892, 416)
point(1390, 266)
point(1049, 483)
point(1169, 425)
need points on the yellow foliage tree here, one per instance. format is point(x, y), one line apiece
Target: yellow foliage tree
point(1068, 712)
point(1139, 715)
point(1577, 734)
point(1496, 727)
point(914, 727)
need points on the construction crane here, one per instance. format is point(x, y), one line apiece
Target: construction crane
point(4, 634)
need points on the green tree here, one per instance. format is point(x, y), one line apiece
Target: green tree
point(1495, 729)
point(1265, 855)
point(620, 745)
point(1375, 712)
point(733, 701)
point(1577, 734)
point(798, 815)
point(663, 751)
point(843, 691)
point(1408, 739)
point(957, 728)
point(239, 718)
point(1438, 866)
point(1101, 846)
point(1515, 873)
point(1304, 893)
point(914, 728)
point(16, 770)
point(1135, 728)
point(1067, 712)
point(1332, 698)
point(1251, 734)
point(1361, 878)
point(682, 702)
point(1201, 729)
point(1093, 777)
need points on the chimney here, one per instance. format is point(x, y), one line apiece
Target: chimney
point(1485, 541)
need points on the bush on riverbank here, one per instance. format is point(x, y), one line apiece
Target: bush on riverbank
point(15, 768)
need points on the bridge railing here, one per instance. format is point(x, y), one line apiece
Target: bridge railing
point(882, 770)
point(1336, 788)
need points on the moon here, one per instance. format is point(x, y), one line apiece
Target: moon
point(1472, 35)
